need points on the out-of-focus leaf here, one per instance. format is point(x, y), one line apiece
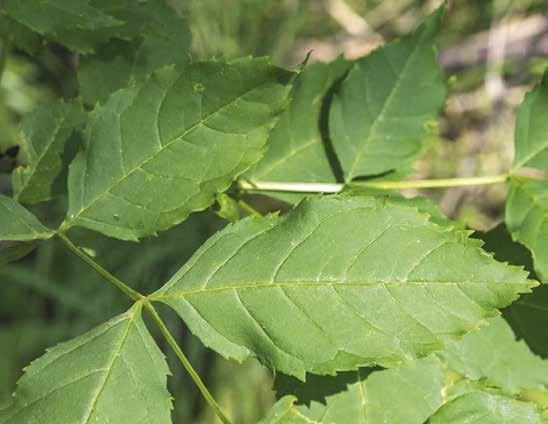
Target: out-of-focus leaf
point(381, 116)
point(164, 40)
point(158, 151)
point(295, 291)
point(50, 144)
point(11, 251)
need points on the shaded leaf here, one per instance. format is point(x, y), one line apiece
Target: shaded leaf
point(382, 116)
point(295, 291)
point(97, 377)
point(50, 144)
point(415, 392)
point(158, 151)
point(11, 251)
point(526, 217)
point(531, 138)
point(18, 224)
point(163, 40)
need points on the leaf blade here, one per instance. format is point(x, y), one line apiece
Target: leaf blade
point(221, 292)
point(214, 116)
point(18, 224)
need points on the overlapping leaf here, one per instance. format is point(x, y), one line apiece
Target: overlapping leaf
point(50, 144)
point(443, 388)
point(114, 373)
point(160, 150)
point(382, 116)
point(527, 219)
point(18, 224)
point(297, 147)
point(339, 283)
point(531, 138)
point(163, 40)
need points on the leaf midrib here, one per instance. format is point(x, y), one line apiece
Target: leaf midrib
point(168, 294)
point(70, 222)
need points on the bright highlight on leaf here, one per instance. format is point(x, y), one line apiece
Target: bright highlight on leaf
point(51, 143)
point(382, 115)
point(115, 373)
point(340, 282)
point(439, 388)
point(156, 152)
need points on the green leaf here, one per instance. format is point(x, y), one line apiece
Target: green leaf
point(527, 219)
point(156, 152)
point(164, 40)
point(50, 143)
point(487, 408)
point(413, 393)
point(295, 291)
point(297, 149)
point(57, 18)
point(11, 251)
point(284, 412)
point(114, 373)
point(531, 136)
point(382, 116)
point(18, 224)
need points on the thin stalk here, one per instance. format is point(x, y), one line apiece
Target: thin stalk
point(99, 269)
point(249, 209)
point(186, 363)
point(385, 185)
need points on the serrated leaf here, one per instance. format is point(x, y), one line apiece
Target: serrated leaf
point(164, 40)
point(526, 217)
point(417, 392)
point(382, 115)
point(297, 150)
point(531, 138)
point(18, 224)
point(50, 143)
point(339, 283)
point(156, 152)
point(114, 373)
point(57, 18)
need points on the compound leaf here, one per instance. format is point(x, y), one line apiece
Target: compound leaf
point(531, 138)
point(526, 217)
point(417, 392)
point(50, 143)
point(164, 40)
point(114, 373)
point(162, 149)
point(296, 291)
point(18, 224)
point(297, 150)
point(382, 115)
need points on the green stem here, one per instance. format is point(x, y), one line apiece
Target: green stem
point(385, 185)
point(99, 269)
point(249, 209)
point(186, 363)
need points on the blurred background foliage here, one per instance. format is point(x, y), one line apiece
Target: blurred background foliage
point(492, 50)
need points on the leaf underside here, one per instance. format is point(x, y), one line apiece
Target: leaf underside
point(96, 377)
point(339, 283)
point(160, 150)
